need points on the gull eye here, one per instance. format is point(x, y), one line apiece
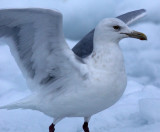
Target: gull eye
point(117, 27)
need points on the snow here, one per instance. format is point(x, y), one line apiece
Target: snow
point(149, 109)
point(142, 58)
point(137, 110)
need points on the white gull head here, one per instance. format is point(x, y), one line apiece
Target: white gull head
point(113, 30)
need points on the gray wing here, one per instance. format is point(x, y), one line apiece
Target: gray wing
point(38, 46)
point(85, 46)
point(132, 16)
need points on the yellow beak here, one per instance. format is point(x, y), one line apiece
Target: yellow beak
point(137, 35)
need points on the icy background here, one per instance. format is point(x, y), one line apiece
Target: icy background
point(139, 108)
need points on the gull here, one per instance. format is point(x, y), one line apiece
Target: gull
point(66, 83)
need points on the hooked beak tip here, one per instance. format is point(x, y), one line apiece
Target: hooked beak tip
point(137, 35)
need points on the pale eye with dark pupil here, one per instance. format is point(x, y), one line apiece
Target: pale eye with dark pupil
point(117, 27)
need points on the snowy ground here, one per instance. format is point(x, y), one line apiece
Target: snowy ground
point(137, 110)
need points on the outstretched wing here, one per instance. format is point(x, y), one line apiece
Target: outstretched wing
point(38, 46)
point(132, 16)
point(85, 46)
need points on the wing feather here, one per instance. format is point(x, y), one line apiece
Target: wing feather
point(132, 16)
point(39, 46)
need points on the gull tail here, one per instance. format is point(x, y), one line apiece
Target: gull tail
point(26, 103)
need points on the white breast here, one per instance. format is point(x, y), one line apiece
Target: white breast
point(107, 77)
point(105, 84)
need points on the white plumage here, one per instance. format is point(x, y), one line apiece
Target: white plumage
point(63, 84)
